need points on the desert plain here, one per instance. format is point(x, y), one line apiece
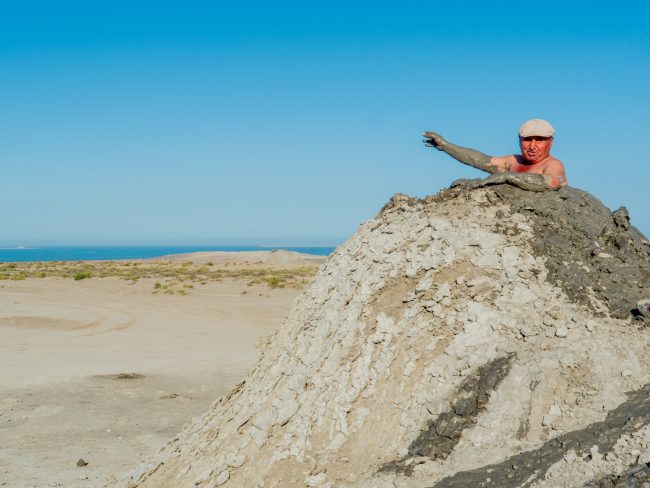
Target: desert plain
point(101, 363)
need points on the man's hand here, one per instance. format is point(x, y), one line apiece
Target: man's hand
point(431, 139)
point(465, 155)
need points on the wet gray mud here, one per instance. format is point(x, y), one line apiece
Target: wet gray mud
point(523, 469)
point(588, 249)
point(441, 435)
point(634, 477)
point(586, 246)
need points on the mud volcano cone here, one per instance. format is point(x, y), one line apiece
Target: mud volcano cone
point(473, 338)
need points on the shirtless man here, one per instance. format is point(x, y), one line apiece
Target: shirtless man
point(535, 169)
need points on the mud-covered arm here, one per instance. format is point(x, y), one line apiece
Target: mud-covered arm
point(465, 155)
point(525, 181)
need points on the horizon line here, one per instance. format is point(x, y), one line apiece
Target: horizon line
point(32, 247)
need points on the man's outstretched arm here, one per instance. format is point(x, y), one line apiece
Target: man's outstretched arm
point(494, 165)
point(465, 155)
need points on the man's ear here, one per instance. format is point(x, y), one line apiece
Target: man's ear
point(551, 141)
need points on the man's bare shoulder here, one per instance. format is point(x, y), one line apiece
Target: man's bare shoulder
point(553, 166)
point(555, 169)
point(554, 163)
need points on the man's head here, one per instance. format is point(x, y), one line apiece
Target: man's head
point(536, 140)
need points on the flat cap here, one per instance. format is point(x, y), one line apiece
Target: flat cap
point(536, 127)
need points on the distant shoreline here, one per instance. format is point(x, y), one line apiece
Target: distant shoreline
point(119, 253)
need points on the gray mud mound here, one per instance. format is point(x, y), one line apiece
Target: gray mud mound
point(472, 338)
point(587, 250)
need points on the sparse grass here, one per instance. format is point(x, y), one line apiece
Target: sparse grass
point(172, 278)
point(81, 275)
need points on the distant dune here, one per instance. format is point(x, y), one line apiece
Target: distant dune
point(275, 259)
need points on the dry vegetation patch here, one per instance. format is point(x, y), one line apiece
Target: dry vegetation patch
point(172, 278)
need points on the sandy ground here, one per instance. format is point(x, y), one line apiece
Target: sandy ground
point(105, 371)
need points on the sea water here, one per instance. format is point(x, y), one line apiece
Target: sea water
point(88, 253)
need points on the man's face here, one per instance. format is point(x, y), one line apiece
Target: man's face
point(535, 148)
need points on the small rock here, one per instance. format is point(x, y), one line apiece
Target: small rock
point(483, 287)
point(553, 434)
point(528, 330)
point(223, 477)
point(81, 463)
point(590, 325)
point(561, 330)
point(644, 458)
point(595, 455)
point(567, 360)
point(424, 284)
point(236, 460)
point(409, 298)
point(548, 320)
point(258, 435)
point(444, 291)
point(521, 295)
point(555, 313)
point(315, 480)
point(570, 456)
point(553, 414)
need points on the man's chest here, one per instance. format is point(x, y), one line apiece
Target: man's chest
point(537, 168)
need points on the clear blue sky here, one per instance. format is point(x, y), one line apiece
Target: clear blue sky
point(158, 122)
